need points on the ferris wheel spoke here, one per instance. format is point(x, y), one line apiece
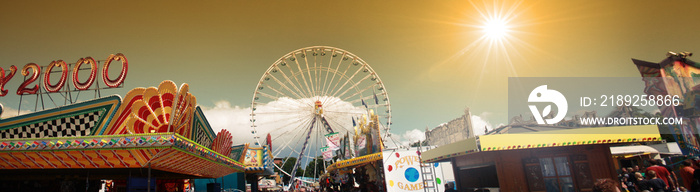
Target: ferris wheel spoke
point(285, 86)
point(292, 149)
point(277, 112)
point(359, 92)
point(327, 90)
point(280, 124)
point(288, 121)
point(342, 75)
point(359, 100)
point(317, 76)
point(344, 112)
point(346, 82)
point(290, 108)
point(267, 95)
point(303, 94)
point(338, 124)
point(308, 70)
point(377, 105)
point(330, 66)
point(303, 77)
point(279, 92)
point(293, 57)
point(355, 85)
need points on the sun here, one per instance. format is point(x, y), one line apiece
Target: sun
point(495, 28)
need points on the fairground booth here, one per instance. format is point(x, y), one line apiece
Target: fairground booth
point(676, 76)
point(565, 160)
point(359, 159)
point(154, 136)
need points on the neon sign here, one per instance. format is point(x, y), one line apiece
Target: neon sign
point(32, 72)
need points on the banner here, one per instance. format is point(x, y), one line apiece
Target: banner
point(403, 172)
point(327, 153)
point(253, 158)
point(333, 140)
point(361, 145)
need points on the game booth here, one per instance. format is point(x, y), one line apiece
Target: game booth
point(153, 139)
point(564, 160)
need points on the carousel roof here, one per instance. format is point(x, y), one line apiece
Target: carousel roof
point(163, 151)
point(158, 127)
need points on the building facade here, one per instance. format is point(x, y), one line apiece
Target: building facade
point(450, 132)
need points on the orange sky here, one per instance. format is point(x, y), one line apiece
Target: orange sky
point(420, 49)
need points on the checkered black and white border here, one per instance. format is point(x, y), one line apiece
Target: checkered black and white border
point(79, 125)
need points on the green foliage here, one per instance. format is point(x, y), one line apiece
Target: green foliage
point(287, 167)
point(419, 143)
point(315, 168)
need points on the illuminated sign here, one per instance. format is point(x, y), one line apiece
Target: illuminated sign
point(32, 72)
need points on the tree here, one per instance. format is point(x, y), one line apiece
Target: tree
point(422, 143)
point(288, 166)
point(316, 167)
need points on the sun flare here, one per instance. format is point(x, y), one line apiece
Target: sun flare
point(495, 28)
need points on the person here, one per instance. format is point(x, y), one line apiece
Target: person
point(673, 182)
point(661, 172)
point(641, 184)
point(449, 187)
point(695, 186)
point(605, 185)
point(687, 173)
point(631, 180)
point(638, 170)
point(657, 184)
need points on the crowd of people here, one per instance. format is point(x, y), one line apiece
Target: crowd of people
point(657, 177)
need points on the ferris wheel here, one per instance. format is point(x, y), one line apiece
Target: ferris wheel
point(311, 92)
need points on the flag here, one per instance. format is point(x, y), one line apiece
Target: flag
point(376, 101)
point(353, 121)
point(361, 145)
point(333, 141)
point(269, 141)
point(361, 141)
point(327, 153)
point(363, 103)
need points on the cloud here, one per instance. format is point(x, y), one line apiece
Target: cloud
point(286, 120)
point(232, 118)
point(411, 136)
point(8, 112)
point(480, 121)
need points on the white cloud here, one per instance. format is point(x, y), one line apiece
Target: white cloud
point(232, 118)
point(480, 121)
point(285, 119)
point(8, 112)
point(411, 136)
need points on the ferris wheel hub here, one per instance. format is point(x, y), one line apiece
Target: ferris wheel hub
point(318, 107)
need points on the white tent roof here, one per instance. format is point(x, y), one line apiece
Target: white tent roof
point(635, 149)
